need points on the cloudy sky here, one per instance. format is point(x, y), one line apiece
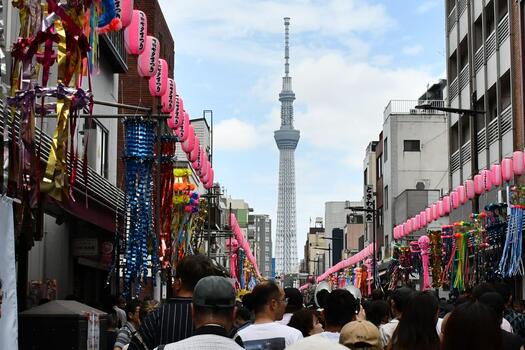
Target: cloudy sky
point(348, 59)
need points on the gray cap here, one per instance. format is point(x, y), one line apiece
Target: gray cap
point(214, 292)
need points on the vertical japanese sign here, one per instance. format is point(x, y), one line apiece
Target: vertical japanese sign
point(369, 203)
point(8, 306)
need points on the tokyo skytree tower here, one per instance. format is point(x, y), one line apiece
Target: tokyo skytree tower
point(286, 138)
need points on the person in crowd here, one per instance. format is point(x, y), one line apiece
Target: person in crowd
point(173, 321)
point(359, 334)
point(147, 307)
point(294, 302)
point(316, 343)
point(516, 319)
point(398, 301)
point(129, 329)
point(497, 304)
point(306, 321)
point(321, 298)
point(471, 325)
point(213, 312)
point(484, 288)
point(243, 317)
point(268, 302)
point(417, 328)
point(119, 305)
point(112, 329)
point(378, 312)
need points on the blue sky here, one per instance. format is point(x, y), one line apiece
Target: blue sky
point(348, 59)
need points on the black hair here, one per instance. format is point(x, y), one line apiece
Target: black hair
point(377, 294)
point(192, 268)
point(401, 296)
point(131, 307)
point(377, 310)
point(472, 325)
point(321, 297)
point(340, 308)
point(295, 299)
point(503, 290)
point(481, 289)
point(243, 313)
point(303, 320)
point(262, 294)
point(495, 302)
point(417, 327)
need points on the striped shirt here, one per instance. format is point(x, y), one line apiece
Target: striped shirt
point(124, 335)
point(168, 324)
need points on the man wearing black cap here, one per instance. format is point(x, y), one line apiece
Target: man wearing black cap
point(213, 314)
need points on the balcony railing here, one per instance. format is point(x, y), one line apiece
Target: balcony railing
point(453, 89)
point(490, 45)
point(452, 19)
point(465, 152)
point(481, 140)
point(493, 131)
point(454, 161)
point(462, 6)
point(506, 120)
point(464, 77)
point(409, 107)
point(98, 186)
point(115, 44)
point(503, 30)
point(478, 59)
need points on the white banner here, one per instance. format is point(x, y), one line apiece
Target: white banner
point(8, 306)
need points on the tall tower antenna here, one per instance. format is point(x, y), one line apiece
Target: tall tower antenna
point(286, 139)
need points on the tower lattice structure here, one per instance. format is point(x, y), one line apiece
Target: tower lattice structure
point(286, 138)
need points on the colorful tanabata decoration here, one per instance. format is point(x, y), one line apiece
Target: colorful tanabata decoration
point(511, 263)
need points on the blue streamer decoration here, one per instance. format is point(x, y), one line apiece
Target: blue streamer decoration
point(511, 264)
point(240, 258)
point(138, 159)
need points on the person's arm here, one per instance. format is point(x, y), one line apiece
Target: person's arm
point(144, 338)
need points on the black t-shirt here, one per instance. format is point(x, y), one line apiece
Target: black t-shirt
point(511, 341)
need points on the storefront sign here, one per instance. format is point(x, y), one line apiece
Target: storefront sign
point(85, 247)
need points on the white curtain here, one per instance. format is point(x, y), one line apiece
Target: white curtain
point(8, 308)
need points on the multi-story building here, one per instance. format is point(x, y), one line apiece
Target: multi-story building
point(335, 213)
point(354, 233)
point(260, 228)
point(369, 179)
point(412, 158)
point(314, 257)
point(484, 72)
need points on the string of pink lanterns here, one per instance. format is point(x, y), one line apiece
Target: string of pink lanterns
point(353, 260)
point(150, 66)
point(480, 183)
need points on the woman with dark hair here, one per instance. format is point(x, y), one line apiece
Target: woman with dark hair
point(417, 327)
point(306, 321)
point(472, 325)
point(378, 312)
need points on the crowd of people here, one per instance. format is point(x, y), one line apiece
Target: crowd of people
point(206, 314)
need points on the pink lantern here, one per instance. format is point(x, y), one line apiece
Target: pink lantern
point(487, 179)
point(454, 199)
point(446, 205)
point(507, 170)
point(418, 221)
point(177, 114)
point(148, 61)
point(479, 187)
point(497, 180)
point(435, 214)
point(205, 175)
point(201, 155)
point(202, 173)
point(124, 11)
point(396, 232)
point(440, 209)
point(423, 216)
point(428, 212)
point(462, 194)
point(209, 184)
point(194, 154)
point(159, 82)
point(168, 99)
point(187, 146)
point(518, 164)
point(414, 224)
point(135, 33)
point(469, 186)
point(182, 131)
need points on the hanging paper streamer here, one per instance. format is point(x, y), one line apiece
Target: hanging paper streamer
point(511, 263)
point(140, 240)
point(436, 251)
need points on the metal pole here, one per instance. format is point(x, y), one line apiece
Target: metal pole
point(329, 255)
point(374, 256)
point(123, 106)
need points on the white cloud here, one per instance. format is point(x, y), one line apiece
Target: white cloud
point(427, 6)
point(234, 135)
point(412, 50)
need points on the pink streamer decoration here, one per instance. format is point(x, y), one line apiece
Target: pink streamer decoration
point(424, 244)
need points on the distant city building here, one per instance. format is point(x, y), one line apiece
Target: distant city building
point(314, 257)
point(286, 138)
point(260, 231)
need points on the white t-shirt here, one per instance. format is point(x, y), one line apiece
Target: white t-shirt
point(387, 330)
point(286, 319)
point(332, 336)
point(505, 325)
point(269, 335)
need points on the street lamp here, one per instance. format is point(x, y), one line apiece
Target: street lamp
point(429, 106)
point(329, 253)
